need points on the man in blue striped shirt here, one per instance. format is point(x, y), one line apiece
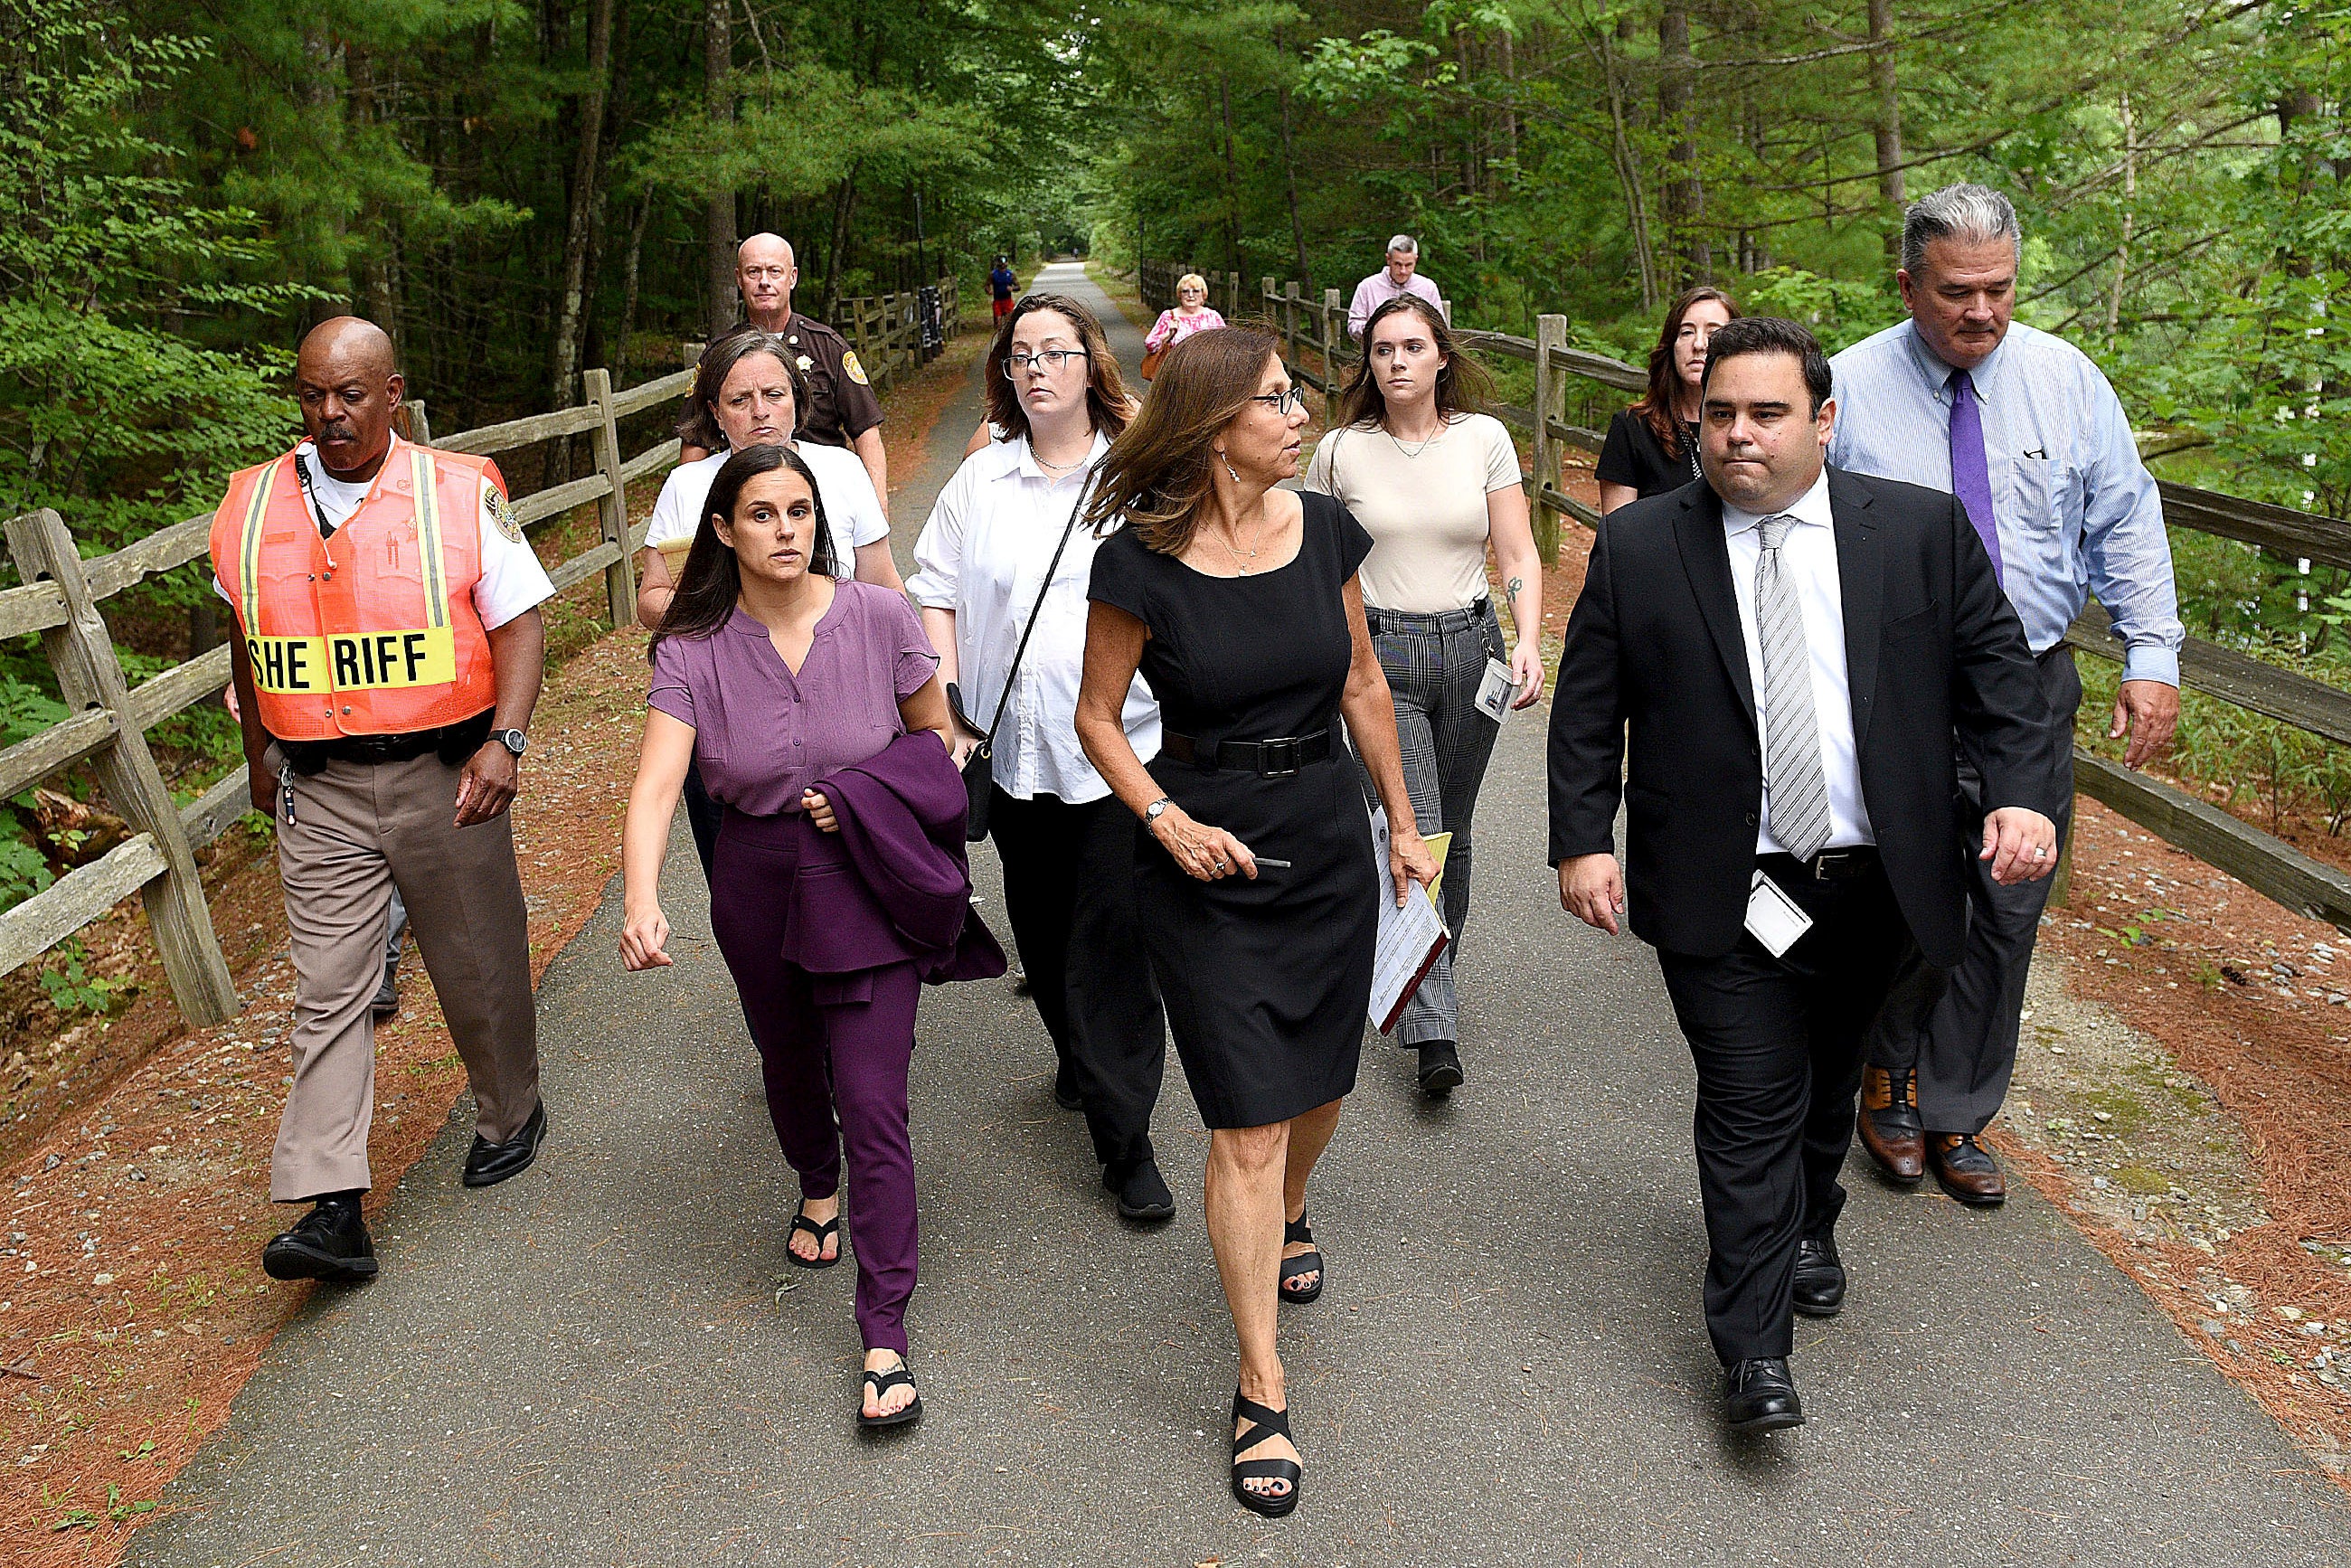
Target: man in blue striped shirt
point(2027, 432)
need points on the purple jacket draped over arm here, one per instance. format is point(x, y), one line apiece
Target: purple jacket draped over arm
point(893, 883)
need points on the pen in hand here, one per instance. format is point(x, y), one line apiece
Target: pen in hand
point(1269, 861)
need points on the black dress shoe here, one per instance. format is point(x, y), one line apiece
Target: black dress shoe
point(330, 1243)
point(489, 1164)
point(1065, 1091)
point(1141, 1191)
point(1759, 1397)
point(1820, 1278)
point(1440, 1068)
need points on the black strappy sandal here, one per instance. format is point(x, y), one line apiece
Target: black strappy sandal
point(830, 1228)
point(882, 1382)
point(1304, 1264)
point(1263, 1423)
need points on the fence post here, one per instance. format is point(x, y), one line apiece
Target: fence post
point(81, 653)
point(1289, 320)
point(1334, 323)
point(1232, 295)
point(1550, 332)
point(420, 429)
point(621, 577)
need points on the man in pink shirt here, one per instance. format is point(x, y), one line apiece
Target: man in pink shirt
point(1398, 277)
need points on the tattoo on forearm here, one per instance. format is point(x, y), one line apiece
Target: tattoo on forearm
point(1511, 588)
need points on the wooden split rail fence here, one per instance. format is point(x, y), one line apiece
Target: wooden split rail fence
point(1567, 379)
point(59, 597)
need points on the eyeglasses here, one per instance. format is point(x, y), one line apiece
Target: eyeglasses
point(1048, 361)
point(1283, 404)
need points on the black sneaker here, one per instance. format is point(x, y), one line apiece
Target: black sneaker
point(330, 1243)
point(1141, 1191)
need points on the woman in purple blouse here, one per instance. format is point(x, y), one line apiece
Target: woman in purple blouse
point(772, 671)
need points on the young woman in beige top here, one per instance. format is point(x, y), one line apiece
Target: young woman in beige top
point(1435, 481)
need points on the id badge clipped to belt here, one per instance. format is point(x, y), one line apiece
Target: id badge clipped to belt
point(1494, 690)
point(1772, 917)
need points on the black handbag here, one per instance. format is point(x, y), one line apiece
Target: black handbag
point(979, 768)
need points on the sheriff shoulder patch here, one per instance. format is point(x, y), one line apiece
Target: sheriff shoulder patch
point(502, 514)
point(851, 369)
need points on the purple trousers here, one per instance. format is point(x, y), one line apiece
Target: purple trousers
point(826, 1043)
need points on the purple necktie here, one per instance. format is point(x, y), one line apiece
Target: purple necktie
point(1970, 473)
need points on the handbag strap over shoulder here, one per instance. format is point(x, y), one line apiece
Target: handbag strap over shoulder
point(1013, 673)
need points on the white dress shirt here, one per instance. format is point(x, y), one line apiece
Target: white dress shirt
point(1808, 554)
point(852, 517)
point(512, 579)
point(983, 554)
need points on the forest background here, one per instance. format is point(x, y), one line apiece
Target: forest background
point(519, 189)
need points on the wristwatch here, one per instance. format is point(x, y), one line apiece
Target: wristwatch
point(512, 740)
point(1151, 813)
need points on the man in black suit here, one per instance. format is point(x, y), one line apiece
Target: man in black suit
point(1788, 621)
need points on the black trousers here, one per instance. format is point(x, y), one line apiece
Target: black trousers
point(1778, 1047)
point(1069, 892)
point(1958, 1029)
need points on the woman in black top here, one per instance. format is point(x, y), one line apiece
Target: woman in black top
point(1651, 446)
point(1239, 603)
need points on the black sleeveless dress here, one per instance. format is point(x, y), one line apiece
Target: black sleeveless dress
point(1266, 982)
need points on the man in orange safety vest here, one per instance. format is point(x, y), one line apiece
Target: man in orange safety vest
point(388, 657)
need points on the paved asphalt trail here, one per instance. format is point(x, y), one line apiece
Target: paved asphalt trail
point(591, 1364)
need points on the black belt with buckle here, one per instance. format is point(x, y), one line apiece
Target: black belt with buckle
point(453, 743)
point(1267, 759)
point(1832, 865)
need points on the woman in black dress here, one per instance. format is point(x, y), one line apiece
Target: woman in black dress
point(1651, 446)
point(1258, 890)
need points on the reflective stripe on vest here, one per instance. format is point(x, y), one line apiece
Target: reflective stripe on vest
point(386, 675)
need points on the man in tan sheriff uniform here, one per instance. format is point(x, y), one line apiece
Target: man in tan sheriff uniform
point(388, 657)
point(842, 408)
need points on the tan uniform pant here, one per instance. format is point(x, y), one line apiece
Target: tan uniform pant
point(359, 831)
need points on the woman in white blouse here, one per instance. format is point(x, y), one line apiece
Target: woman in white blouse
point(1435, 481)
point(1066, 844)
point(748, 392)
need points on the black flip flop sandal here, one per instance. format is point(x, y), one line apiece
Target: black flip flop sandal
point(1304, 1264)
point(1263, 1423)
point(882, 1382)
point(800, 1221)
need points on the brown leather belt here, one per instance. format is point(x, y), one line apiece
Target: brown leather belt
point(1277, 759)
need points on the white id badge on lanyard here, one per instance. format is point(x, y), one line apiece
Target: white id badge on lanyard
point(1494, 691)
point(1772, 917)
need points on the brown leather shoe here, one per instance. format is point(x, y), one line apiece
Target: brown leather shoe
point(1965, 1169)
point(1890, 1129)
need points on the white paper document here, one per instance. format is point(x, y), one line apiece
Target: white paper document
point(1410, 938)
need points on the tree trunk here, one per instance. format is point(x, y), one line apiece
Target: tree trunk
point(2130, 202)
point(719, 216)
point(844, 200)
point(1289, 178)
point(629, 275)
point(1232, 178)
point(1685, 196)
point(1628, 175)
point(586, 193)
point(1884, 85)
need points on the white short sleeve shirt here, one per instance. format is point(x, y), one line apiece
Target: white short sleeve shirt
point(852, 514)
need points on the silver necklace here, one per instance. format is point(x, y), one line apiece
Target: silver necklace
point(1416, 449)
point(1240, 568)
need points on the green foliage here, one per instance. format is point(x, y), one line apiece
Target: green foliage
point(73, 990)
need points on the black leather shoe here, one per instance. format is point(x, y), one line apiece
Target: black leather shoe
point(1440, 1068)
point(1820, 1278)
point(489, 1164)
point(1759, 1397)
point(1141, 1191)
point(387, 996)
point(1065, 1091)
point(330, 1243)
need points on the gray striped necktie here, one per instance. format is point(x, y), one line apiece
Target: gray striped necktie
point(1799, 787)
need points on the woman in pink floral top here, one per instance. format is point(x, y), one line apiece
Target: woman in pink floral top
point(1190, 315)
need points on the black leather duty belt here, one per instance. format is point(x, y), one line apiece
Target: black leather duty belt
point(1829, 865)
point(453, 743)
point(1267, 759)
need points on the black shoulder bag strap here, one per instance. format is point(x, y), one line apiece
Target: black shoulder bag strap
point(978, 772)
